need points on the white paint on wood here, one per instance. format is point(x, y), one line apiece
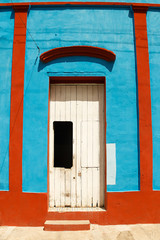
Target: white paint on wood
point(78, 170)
point(73, 169)
point(96, 165)
point(111, 163)
point(57, 176)
point(51, 145)
point(101, 144)
point(62, 170)
point(77, 209)
point(67, 171)
point(83, 184)
point(84, 157)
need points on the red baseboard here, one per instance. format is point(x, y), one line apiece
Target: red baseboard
point(23, 209)
point(31, 209)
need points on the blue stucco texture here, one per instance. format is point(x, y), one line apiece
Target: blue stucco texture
point(153, 21)
point(110, 29)
point(129, 1)
point(6, 44)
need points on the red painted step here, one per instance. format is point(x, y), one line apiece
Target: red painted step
point(66, 225)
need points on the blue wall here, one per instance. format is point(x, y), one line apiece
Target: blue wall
point(6, 44)
point(111, 29)
point(129, 1)
point(153, 21)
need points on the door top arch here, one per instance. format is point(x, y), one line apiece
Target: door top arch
point(88, 51)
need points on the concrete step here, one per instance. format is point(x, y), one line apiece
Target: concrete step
point(66, 225)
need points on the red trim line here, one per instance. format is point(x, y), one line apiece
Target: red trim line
point(16, 112)
point(144, 98)
point(88, 51)
point(41, 4)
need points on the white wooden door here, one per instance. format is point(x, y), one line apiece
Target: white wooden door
point(83, 184)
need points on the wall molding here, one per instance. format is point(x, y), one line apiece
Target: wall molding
point(88, 51)
point(144, 99)
point(80, 4)
point(16, 108)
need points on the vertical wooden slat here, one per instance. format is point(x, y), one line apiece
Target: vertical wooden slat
point(84, 157)
point(95, 164)
point(68, 171)
point(51, 146)
point(79, 120)
point(102, 165)
point(62, 170)
point(95, 146)
point(90, 156)
point(73, 169)
point(57, 170)
point(84, 146)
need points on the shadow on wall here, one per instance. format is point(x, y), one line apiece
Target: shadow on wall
point(108, 65)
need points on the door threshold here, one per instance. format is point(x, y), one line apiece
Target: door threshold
point(76, 209)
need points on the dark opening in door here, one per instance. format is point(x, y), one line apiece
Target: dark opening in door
point(63, 144)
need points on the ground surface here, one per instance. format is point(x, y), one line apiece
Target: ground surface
point(118, 232)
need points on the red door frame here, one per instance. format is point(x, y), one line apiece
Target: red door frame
point(76, 80)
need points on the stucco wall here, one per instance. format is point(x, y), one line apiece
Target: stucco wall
point(107, 28)
point(6, 44)
point(153, 21)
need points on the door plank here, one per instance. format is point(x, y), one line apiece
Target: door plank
point(90, 150)
point(62, 110)
point(73, 169)
point(101, 117)
point(68, 171)
point(51, 146)
point(95, 145)
point(96, 157)
point(57, 170)
point(84, 146)
point(79, 117)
